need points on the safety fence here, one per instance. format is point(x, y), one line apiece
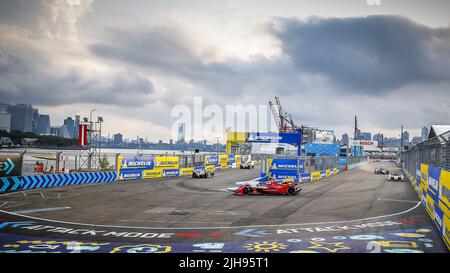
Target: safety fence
point(427, 167)
point(10, 184)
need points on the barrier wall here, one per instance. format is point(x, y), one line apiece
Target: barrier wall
point(432, 184)
point(10, 184)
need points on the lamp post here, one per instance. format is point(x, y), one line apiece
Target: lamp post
point(90, 127)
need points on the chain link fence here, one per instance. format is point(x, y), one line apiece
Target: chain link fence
point(434, 152)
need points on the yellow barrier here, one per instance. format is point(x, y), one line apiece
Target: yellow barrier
point(186, 171)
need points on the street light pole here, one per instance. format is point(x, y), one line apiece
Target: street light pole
point(90, 127)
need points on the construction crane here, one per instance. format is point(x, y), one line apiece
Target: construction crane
point(286, 124)
point(284, 120)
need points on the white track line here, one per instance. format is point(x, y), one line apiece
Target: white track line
point(207, 228)
point(398, 200)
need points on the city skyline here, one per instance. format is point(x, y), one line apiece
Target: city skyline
point(138, 64)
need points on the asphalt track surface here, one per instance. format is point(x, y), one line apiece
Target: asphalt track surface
point(355, 211)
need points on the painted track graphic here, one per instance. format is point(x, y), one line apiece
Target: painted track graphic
point(355, 211)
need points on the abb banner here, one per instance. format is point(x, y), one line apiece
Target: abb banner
point(82, 135)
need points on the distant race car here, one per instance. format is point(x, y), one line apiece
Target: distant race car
point(396, 177)
point(201, 172)
point(247, 165)
point(381, 171)
point(273, 187)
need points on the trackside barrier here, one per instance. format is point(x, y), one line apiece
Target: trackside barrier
point(10, 184)
point(427, 166)
point(432, 184)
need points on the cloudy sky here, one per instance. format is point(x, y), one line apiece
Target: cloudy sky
point(135, 60)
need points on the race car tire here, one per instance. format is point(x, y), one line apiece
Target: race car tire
point(291, 191)
point(247, 191)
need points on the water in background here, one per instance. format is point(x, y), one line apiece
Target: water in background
point(68, 156)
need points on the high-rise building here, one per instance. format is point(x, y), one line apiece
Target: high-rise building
point(416, 140)
point(365, 136)
point(70, 125)
point(43, 126)
point(424, 133)
point(181, 132)
point(405, 137)
point(63, 132)
point(344, 139)
point(77, 126)
point(34, 123)
point(117, 139)
point(21, 117)
point(5, 121)
point(378, 137)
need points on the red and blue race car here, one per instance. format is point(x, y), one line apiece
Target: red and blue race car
point(274, 187)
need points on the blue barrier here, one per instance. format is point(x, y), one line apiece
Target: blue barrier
point(9, 184)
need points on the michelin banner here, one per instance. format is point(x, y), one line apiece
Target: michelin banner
point(134, 167)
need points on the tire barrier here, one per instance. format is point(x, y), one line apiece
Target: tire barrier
point(10, 184)
point(432, 184)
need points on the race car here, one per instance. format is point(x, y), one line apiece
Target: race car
point(274, 187)
point(381, 171)
point(201, 172)
point(396, 177)
point(247, 165)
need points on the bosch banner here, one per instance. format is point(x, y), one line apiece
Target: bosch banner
point(11, 164)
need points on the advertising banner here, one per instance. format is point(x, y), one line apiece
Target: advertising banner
point(287, 163)
point(282, 174)
point(305, 177)
point(11, 164)
point(315, 176)
point(223, 161)
point(434, 174)
point(444, 192)
point(186, 171)
point(133, 167)
point(211, 159)
point(231, 160)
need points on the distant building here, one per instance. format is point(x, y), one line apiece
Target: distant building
point(43, 126)
point(34, 122)
point(21, 117)
point(70, 125)
point(378, 137)
point(405, 137)
point(424, 133)
point(344, 139)
point(117, 139)
point(181, 133)
point(63, 132)
point(416, 140)
point(365, 136)
point(77, 126)
point(5, 121)
point(54, 131)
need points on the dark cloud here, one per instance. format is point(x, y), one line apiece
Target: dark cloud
point(171, 52)
point(374, 53)
point(28, 79)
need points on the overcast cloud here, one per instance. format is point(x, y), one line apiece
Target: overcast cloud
point(134, 61)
